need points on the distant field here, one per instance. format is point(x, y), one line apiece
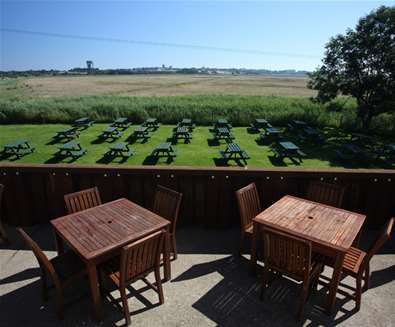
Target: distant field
point(155, 85)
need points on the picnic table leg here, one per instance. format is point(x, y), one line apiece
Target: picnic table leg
point(334, 284)
point(254, 246)
point(59, 244)
point(95, 291)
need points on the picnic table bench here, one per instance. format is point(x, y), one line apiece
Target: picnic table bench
point(110, 132)
point(222, 123)
point(71, 149)
point(186, 122)
point(122, 123)
point(140, 132)
point(234, 152)
point(83, 122)
point(270, 134)
point(182, 133)
point(223, 133)
point(164, 150)
point(288, 149)
point(120, 149)
point(151, 123)
point(18, 148)
point(310, 133)
point(69, 133)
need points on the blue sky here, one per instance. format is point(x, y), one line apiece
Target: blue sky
point(285, 35)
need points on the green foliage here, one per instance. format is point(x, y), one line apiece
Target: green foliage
point(361, 64)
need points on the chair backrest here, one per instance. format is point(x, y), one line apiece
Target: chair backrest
point(141, 257)
point(167, 204)
point(249, 204)
point(43, 261)
point(287, 254)
point(383, 237)
point(326, 193)
point(82, 200)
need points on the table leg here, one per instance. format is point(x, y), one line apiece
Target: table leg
point(59, 244)
point(166, 256)
point(334, 284)
point(95, 291)
point(253, 247)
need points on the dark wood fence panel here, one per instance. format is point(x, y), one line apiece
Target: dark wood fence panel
point(34, 193)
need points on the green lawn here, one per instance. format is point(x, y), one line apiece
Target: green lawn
point(200, 152)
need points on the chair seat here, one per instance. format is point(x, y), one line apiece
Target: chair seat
point(67, 265)
point(352, 260)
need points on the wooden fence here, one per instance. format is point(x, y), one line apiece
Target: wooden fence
point(34, 193)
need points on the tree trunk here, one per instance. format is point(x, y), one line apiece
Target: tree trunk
point(365, 113)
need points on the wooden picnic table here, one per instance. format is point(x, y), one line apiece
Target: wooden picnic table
point(223, 133)
point(110, 132)
point(84, 122)
point(288, 149)
point(331, 230)
point(151, 123)
point(99, 233)
point(18, 148)
point(261, 123)
point(182, 133)
point(351, 151)
point(71, 149)
point(233, 151)
point(120, 149)
point(68, 133)
point(186, 122)
point(122, 123)
point(141, 132)
point(270, 134)
point(164, 150)
point(222, 122)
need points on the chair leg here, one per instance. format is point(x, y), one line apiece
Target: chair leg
point(59, 304)
point(366, 285)
point(242, 237)
point(174, 245)
point(358, 294)
point(125, 306)
point(159, 285)
point(303, 297)
point(44, 288)
point(265, 281)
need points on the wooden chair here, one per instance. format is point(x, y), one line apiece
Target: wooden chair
point(62, 270)
point(326, 193)
point(357, 263)
point(249, 207)
point(290, 256)
point(167, 205)
point(82, 200)
point(138, 259)
point(3, 233)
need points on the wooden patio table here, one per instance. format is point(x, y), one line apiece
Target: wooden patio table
point(331, 231)
point(99, 233)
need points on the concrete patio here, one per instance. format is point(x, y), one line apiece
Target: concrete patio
point(210, 286)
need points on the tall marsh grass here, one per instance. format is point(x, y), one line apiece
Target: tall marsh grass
point(240, 110)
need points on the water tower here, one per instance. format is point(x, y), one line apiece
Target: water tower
point(89, 66)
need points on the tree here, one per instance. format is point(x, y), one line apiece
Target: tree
point(361, 64)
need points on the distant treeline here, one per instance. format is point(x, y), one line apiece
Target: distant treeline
point(151, 70)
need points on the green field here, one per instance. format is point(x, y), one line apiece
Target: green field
point(200, 152)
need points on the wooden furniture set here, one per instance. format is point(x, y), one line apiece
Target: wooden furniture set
point(83, 123)
point(164, 150)
point(300, 236)
point(233, 151)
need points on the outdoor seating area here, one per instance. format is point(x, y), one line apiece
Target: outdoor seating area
point(297, 145)
point(112, 249)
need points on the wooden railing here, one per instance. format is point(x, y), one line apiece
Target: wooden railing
point(34, 193)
